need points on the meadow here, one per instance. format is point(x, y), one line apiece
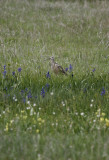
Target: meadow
point(46, 116)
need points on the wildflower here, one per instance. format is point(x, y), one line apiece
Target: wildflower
point(107, 122)
point(4, 67)
point(103, 92)
point(51, 93)
point(4, 73)
point(29, 95)
point(70, 67)
point(7, 128)
point(101, 119)
point(28, 108)
point(91, 105)
point(93, 70)
point(39, 119)
point(94, 120)
point(16, 100)
point(63, 103)
point(43, 92)
point(82, 114)
point(72, 75)
point(34, 104)
point(28, 102)
point(53, 113)
point(48, 75)
point(13, 73)
point(92, 100)
point(103, 114)
point(68, 109)
point(66, 69)
point(19, 69)
point(39, 108)
point(37, 130)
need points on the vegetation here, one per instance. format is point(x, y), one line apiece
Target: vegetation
point(49, 117)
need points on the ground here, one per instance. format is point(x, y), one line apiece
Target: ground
point(45, 116)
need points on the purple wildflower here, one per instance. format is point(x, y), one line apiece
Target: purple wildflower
point(103, 92)
point(29, 95)
point(93, 70)
point(66, 69)
point(70, 67)
point(13, 73)
point(43, 92)
point(4, 73)
point(19, 69)
point(4, 67)
point(48, 75)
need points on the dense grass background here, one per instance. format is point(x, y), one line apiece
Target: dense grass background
point(70, 120)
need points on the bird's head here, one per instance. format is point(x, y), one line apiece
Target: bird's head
point(52, 59)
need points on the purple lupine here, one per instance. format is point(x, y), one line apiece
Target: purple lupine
point(43, 92)
point(19, 69)
point(48, 75)
point(70, 67)
point(103, 92)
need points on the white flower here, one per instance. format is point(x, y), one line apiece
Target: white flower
point(92, 100)
point(51, 93)
point(39, 108)
point(56, 124)
point(3, 112)
point(34, 104)
point(13, 98)
point(76, 113)
point(53, 113)
point(82, 114)
point(63, 103)
point(16, 100)
point(28, 108)
point(94, 120)
point(52, 124)
point(91, 105)
point(28, 102)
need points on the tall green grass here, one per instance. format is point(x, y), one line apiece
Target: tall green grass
point(61, 117)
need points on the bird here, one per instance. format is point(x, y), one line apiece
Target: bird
point(56, 68)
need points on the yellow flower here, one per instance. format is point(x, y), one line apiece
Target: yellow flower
point(37, 130)
point(103, 114)
point(6, 129)
point(101, 119)
point(39, 119)
point(107, 122)
point(22, 111)
point(43, 121)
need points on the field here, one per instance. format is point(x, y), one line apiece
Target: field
point(46, 116)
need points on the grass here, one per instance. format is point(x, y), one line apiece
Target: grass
point(61, 117)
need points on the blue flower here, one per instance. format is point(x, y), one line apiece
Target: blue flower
point(19, 69)
point(66, 69)
point(29, 95)
point(13, 73)
point(4, 67)
point(48, 75)
point(93, 70)
point(4, 73)
point(70, 67)
point(103, 92)
point(43, 92)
